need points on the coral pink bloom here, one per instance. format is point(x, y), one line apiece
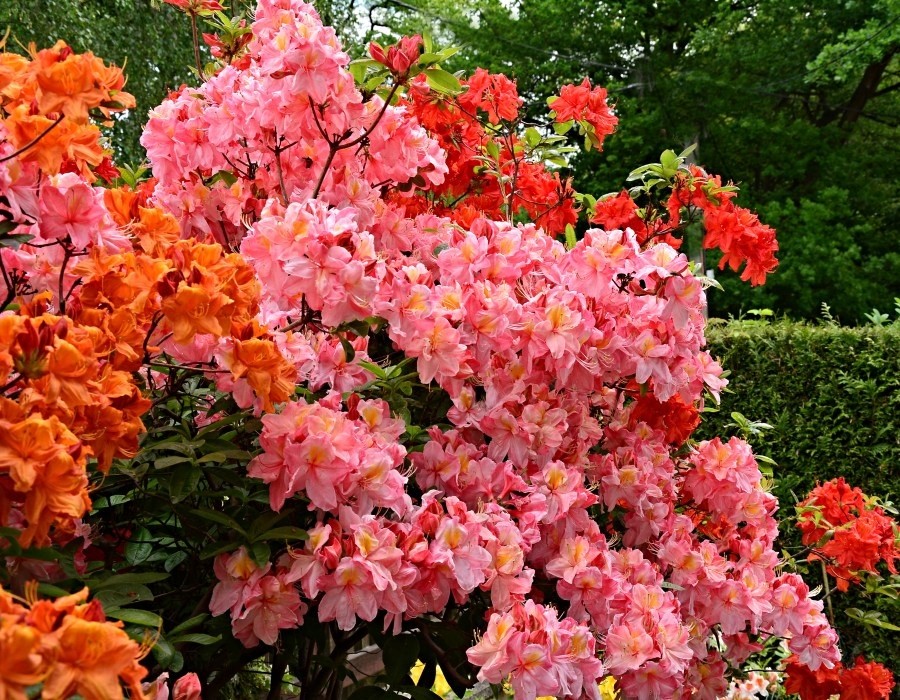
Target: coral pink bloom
point(349, 593)
point(491, 652)
point(277, 606)
point(438, 349)
point(816, 647)
point(237, 574)
point(318, 470)
point(71, 208)
point(627, 648)
point(532, 675)
point(187, 688)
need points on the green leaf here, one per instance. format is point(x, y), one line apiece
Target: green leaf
point(189, 623)
point(287, 532)
point(164, 462)
point(139, 548)
point(173, 560)
point(220, 518)
point(134, 616)
point(670, 163)
point(126, 580)
point(196, 638)
point(399, 654)
point(349, 350)
point(440, 80)
point(124, 595)
point(48, 589)
point(261, 553)
point(13, 241)
point(428, 675)
point(871, 618)
point(184, 482)
point(166, 655)
point(225, 176)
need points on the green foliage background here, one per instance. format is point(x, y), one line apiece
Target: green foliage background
point(832, 395)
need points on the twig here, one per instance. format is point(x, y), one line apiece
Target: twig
point(284, 195)
point(827, 592)
point(62, 273)
point(448, 668)
point(34, 140)
point(335, 146)
point(196, 40)
point(279, 666)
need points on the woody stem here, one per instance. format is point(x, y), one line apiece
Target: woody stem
point(335, 146)
point(196, 39)
point(34, 140)
point(827, 592)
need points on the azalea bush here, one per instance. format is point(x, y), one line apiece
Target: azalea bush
point(352, 364)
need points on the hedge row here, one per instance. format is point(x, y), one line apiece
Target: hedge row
point(832, 395)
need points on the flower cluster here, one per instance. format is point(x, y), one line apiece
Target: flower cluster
point(540, 654)
point(97, 286)
point(486, 177)
point(261, 600)
point(756, 685)
point(67, 648)
point(848, 531)
point(734, 230)
point(588, 107)
point(541, 475)
point(863, 681)
point(333, 457)
point(50, 97)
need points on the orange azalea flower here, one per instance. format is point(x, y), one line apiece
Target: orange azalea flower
point(193, 309)
point(45, 615)
point(92, 660)
point(112, 428)
point(79, 143)
point(67, 645)
point(76, 83)
point(69, 371)
point(157, 231)
point(12, 69)
point(269, 375)
point(10, 328)
point(21, 663)
point(121, 203)
point(44, 461)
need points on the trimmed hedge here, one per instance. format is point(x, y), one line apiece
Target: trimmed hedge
point(832, 395)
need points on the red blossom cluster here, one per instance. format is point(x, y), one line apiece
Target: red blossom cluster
point(866, 680)
point(848, 531)
point(470, 189)
point(588, 107)
point(734, 230)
